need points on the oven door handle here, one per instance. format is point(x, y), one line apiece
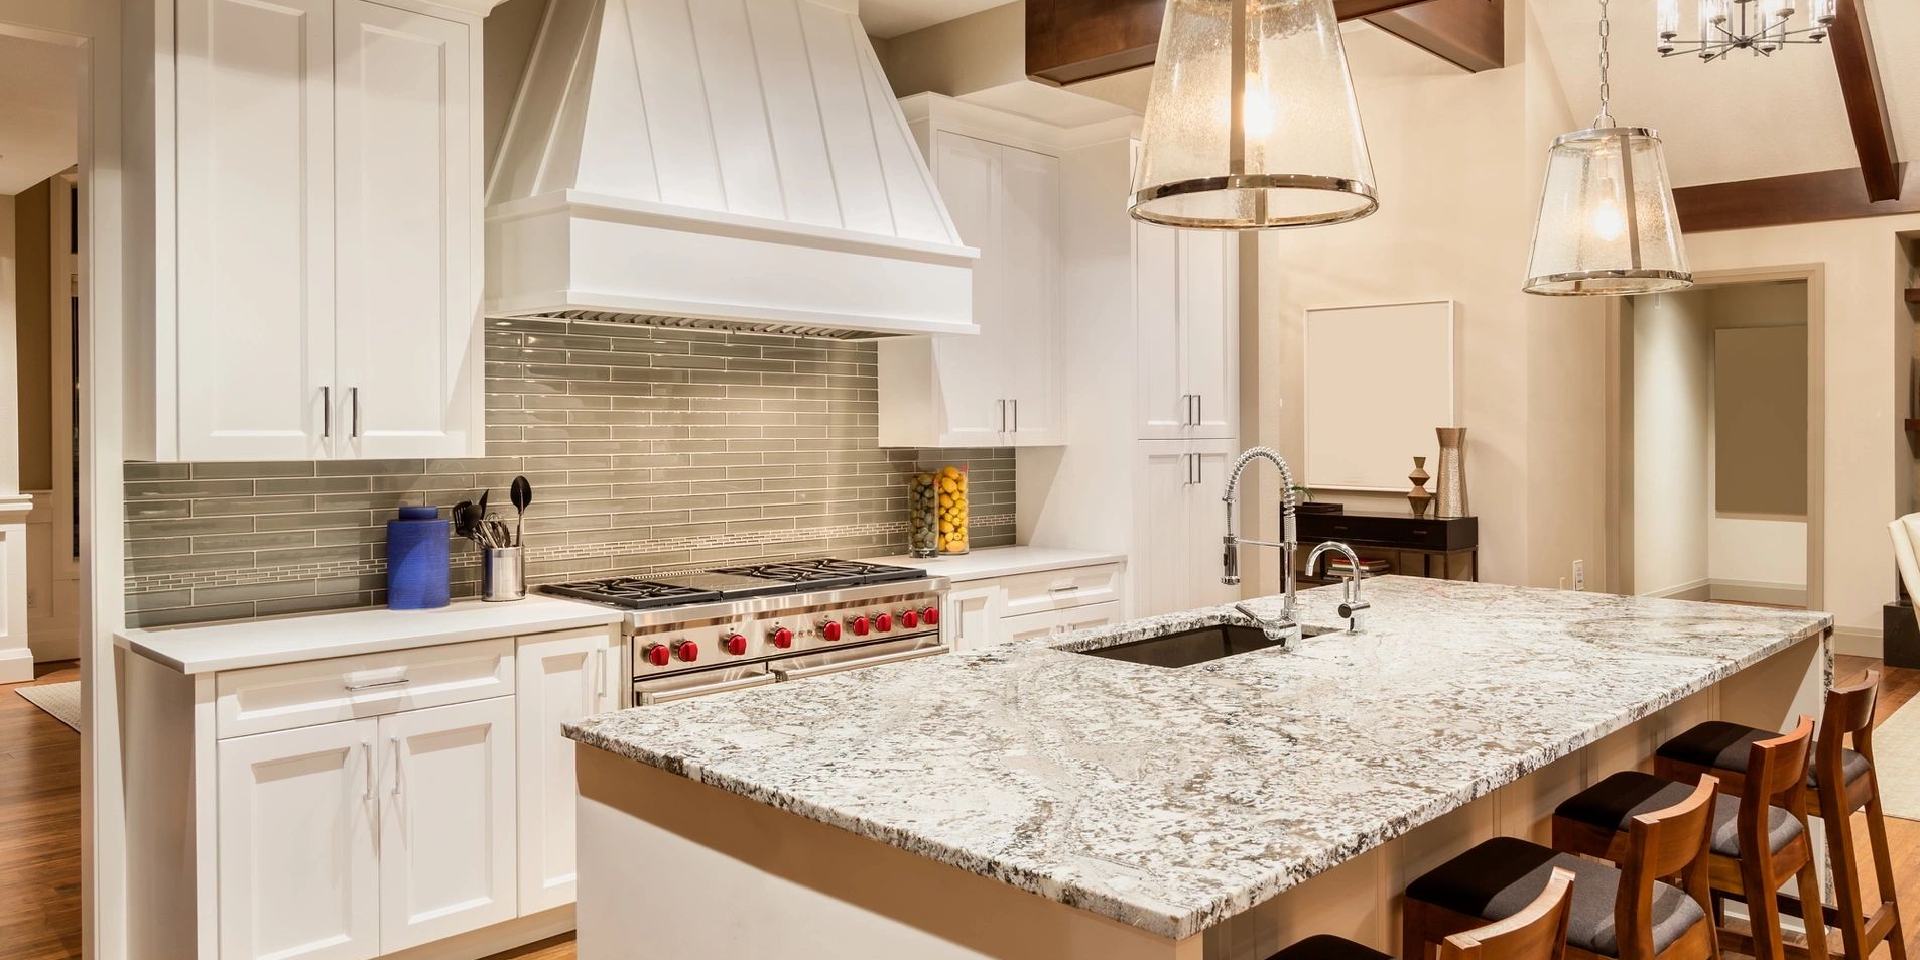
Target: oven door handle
point(647, 698)
point(801, 673)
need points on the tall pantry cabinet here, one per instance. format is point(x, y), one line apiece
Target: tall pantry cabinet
point(315, 210)
point(1151, 386)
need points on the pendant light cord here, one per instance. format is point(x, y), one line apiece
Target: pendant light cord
point(1605, 119)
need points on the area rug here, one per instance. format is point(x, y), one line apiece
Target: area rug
point(62, 700)
point(1896, 756)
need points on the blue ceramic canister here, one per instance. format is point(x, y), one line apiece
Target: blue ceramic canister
point(417, 564)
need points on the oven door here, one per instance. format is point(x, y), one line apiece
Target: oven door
point(699, 683)
point(855, 658)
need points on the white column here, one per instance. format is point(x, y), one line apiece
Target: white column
point(16, 660)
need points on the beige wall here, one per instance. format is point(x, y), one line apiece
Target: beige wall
point(1760, 421)
point(33, 329)
point(510, 32)
point(1866, 377)
point(974, 52)
point(1456, 158)
point(1672, 345)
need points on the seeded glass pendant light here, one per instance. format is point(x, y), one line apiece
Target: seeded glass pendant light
point(1251, 121)
point(1607, 224)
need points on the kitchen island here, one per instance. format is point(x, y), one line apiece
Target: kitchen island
point(1031, 801)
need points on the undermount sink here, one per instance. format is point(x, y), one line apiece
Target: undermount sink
point(1198, 645)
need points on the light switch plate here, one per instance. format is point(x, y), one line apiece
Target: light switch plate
point(1579, 574)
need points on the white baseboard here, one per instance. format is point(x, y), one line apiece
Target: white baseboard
point(1759, 591)
point(1695, 590)
point(1859, 642)
point(16, 665)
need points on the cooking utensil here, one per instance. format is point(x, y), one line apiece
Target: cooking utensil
point(464, 519)
point(522, 494)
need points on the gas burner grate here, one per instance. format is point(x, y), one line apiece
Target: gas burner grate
point(826, 570)
point(632, 592)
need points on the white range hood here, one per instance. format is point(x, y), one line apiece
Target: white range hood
point(737, 164)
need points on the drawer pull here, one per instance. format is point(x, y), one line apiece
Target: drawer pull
point(378, 683)
point(1064, 588)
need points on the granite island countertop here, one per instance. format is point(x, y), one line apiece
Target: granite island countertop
point(1174, 799)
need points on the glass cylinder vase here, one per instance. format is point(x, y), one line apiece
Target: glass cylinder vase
point(937, 512)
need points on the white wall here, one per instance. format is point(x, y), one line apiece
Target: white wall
point(1672, 351)
point(1458, 157)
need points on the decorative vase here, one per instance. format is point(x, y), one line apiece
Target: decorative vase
point(1418, 496)
point(1451, 487)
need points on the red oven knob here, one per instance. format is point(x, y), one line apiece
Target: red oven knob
point(909, 618)
point(686, 650)
point(735, 644)
point(830, 630)
point(931, 615)
point(781, 637)
point(883, 622)
point(859, 625)
point(656, 654)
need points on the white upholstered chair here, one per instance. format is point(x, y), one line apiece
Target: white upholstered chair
point(1906, 551)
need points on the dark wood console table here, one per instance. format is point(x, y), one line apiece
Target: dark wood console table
point(1447, 549)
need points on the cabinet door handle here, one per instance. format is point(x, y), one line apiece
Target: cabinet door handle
point(1003, 416)
point(366, 754)
point(1198, 410)
point(353, 397)
point(393, 743)
point(326, 413)
point(1016, 415)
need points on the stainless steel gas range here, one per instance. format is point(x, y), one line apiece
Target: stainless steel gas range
point(737, 627)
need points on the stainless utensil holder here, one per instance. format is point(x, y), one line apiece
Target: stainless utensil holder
point(503, 574)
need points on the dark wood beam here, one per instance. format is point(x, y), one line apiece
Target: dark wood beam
point(1467, 33)
point(1073, 40)
point(1866, 103)
point(1797, 198)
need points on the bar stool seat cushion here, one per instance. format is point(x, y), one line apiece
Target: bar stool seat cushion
point(1499, 877)
point(1327, 947)
point(1612, 802)
point(1724, 746)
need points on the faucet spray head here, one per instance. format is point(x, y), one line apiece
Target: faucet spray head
point(1230, 561)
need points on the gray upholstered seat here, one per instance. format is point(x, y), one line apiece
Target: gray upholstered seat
point(1726, 746)
point(1499, 877)
point(1612, 802)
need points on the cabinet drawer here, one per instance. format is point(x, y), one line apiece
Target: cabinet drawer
point(1059, 622)
point(1060, 589)
point(322, 691)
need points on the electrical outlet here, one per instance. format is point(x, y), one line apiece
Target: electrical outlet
point(1579, 574)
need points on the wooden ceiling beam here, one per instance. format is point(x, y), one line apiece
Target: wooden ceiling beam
point(1795, 198)
point(1073, 40)
point(1866, 102)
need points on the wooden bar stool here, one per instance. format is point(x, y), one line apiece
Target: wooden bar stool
point(1759, 838)
point(1538, 932)
point(1620, 913)
point(1843, 782)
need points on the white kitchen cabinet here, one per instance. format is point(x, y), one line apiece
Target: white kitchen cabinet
point(299, 861)
point(1187, 315)
point(562, 677)
point(254, 334)
point(447, 843)
point(407, 306)
point(1059, 623)
point(999, 387)
point(974, 611)
point(316, 281)
point(1180, 524)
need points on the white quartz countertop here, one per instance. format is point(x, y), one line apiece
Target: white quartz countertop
point(1172, 799)
point(259, 643)
point(988, 563)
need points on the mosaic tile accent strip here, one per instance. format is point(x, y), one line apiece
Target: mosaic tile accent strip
point(650, 450)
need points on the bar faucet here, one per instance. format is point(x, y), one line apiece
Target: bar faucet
point(1284, 629)
point(1351, 605)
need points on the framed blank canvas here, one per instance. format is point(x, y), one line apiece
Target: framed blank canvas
point(1379, 379)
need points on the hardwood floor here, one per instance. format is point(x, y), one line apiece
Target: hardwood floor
point(39, 827)
point(40, 817)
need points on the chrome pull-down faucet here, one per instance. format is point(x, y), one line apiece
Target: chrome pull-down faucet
point(1351, 605)
point(1284, 628)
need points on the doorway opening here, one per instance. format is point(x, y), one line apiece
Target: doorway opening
point(1717, 467)
point(42, 538)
